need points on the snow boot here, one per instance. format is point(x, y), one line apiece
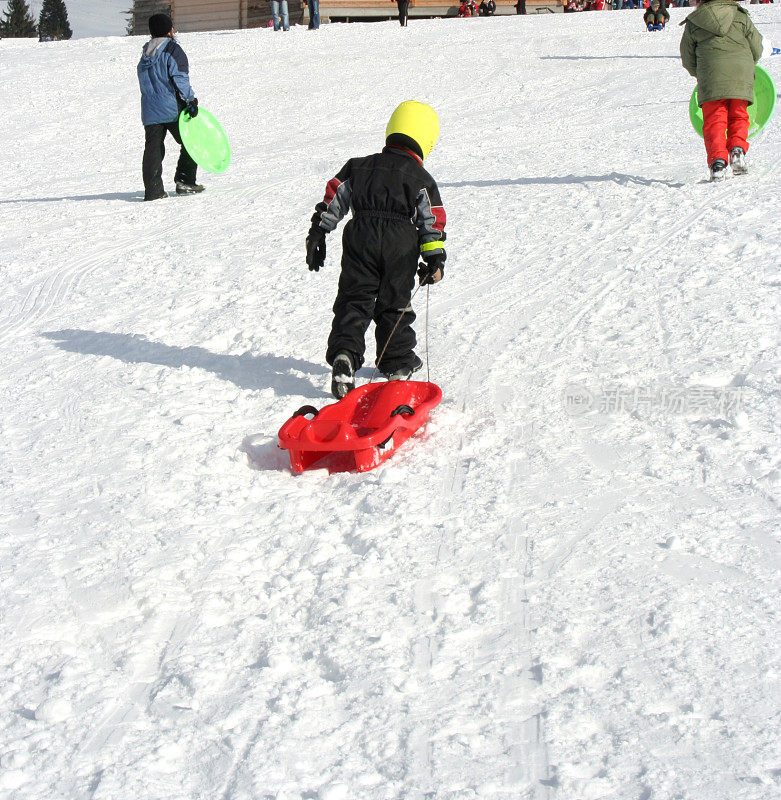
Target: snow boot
point(737, 160)
point(718, 170)
point(404, 373)
point(343, 375)
point(189, 188)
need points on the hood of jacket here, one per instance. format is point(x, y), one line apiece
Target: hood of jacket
point(715, 16)
point(153, 47)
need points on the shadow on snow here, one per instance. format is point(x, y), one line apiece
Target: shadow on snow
point(245, 371)
point(128, 197)
point(599, 58)
point(613, 177)
point(264, 454)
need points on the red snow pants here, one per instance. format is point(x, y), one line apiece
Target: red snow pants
point(725, 125)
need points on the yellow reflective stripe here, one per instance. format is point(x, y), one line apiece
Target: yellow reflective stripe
point(428, 246)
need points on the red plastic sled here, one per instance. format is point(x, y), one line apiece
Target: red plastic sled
point(360, 431)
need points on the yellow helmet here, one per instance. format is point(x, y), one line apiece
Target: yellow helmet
point(415, 121)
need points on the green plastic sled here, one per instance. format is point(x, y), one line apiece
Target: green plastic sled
point(759, 112)
point(205, 140)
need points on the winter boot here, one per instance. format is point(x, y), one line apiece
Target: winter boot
point(343, 375)
point(189, 188)
point(718, 170)
point(737, 160)
point(404, 373)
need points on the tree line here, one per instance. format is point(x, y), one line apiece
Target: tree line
point(18, 23)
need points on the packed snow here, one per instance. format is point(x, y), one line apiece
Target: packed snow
point(565, 587)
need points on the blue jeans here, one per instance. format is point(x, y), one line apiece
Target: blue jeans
point(276, 7)
point(314, 14)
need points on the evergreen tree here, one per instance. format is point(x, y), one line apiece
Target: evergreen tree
point(53, 23)
point(17, 22)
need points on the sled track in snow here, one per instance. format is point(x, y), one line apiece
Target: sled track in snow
point(49, 293)
point(529, 751)
point(43, 298)
point(646, 258)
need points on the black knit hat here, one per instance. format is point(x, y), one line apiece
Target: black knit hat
point(160, 25)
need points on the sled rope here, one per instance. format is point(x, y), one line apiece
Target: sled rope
point(428, 369)
point(403, 312)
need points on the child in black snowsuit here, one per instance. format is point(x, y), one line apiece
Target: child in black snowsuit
point(397, 218)
point(657, 16)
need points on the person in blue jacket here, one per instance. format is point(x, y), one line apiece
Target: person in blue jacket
point(165, 91)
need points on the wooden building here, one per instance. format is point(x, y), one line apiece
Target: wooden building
point(349, 10)
point(215, 15)
point(208, 15)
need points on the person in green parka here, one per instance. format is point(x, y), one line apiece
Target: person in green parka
point(720, 47)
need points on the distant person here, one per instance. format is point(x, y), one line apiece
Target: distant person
point(520, 7)
point(657, 16)
point(314, 14)
point(163, 75)
point(280, 15)
point(487, 8)
point(403, 6)
point(397, 219)
point(720, 47)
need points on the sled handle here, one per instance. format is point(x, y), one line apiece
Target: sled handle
point(402, 409)
point(304, 410)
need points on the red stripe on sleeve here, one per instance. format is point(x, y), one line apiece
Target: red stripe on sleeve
point(331, 189)
point(439, 217)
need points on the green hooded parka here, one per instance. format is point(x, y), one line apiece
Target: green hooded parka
point(719, 47)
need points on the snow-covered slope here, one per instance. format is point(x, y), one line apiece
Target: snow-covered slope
point(526, 601)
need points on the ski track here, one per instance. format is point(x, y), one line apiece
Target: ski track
point(44, 298)
point(519, 604)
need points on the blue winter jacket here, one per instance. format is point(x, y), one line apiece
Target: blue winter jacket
point(164, 80)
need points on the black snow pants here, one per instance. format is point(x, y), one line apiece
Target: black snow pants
point(403, 6)
point(154, 152)
point(379, 263)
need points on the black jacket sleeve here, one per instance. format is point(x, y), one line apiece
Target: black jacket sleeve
point(336, 202)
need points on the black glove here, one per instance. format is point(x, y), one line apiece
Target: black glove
point(315, 248)
point(428, 268)
point(192, 107)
